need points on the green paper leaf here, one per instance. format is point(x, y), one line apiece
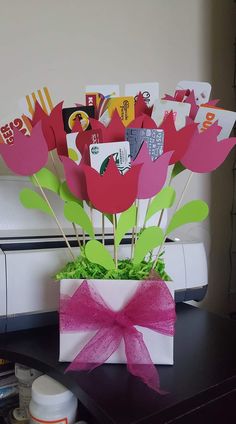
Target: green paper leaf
point(178, 168)
point(32, 200)
point(109, 216)
point(149, 239)
point(67, 196)
point(126, 221)
point(163, 200)
point(98, 254)
point(47, 180)
point(194, 211)
point(76, 214)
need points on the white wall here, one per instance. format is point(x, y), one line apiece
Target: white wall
point(68, 44)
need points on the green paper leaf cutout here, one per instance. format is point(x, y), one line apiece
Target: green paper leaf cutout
point(194, 211)
point(178, 168)
point(126, 221)
point(75, 213)
point(150, 238)
point(98, 254)
point(67, 196)
point(162, 200)
point(47, 180)
point(32, 200)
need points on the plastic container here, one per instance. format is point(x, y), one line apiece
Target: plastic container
point(51, 401)
point(25, 377)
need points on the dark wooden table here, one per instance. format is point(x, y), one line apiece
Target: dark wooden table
point(201, 384)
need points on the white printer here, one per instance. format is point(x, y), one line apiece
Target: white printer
point(32, 251)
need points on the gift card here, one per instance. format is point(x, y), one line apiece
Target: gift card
point(124, 107)
point(42, 96)
point(202, 90)
point(149, 90)
point(107, 90)
point(105, 118)
point(76, 142)
point(206, 116)
point(21, 123)
point(83, 113)
point(163, 107)
point(153, 137)
point(73, 151)
point(100, 153)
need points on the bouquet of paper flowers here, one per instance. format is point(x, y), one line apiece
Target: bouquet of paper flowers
point(116, 152)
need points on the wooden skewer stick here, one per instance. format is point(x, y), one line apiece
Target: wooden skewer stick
point(76, 234)
point(177, 206)
point(103, 229)
point(54, 216)
point(114, 221)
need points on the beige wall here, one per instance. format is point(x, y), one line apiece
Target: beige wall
point(67, 44)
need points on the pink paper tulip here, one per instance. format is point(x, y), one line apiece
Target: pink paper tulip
point(27, 154)
point(153, 173)
point(205, 153)
point(53, 127)
point(75, 176)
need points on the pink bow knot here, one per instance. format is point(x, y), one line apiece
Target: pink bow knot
point(122, 320)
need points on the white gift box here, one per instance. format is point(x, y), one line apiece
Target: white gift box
point(116, 294)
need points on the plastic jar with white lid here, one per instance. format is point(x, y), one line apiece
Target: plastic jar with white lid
point(51, 401)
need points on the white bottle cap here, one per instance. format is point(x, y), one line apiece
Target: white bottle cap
point(46, 391)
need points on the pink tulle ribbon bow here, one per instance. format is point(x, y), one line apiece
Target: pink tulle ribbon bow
point(151, 306)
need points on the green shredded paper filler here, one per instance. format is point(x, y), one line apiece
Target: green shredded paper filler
point(126, 270)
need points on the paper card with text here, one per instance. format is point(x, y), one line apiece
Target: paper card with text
point(83, 113)
point(20, 122)
point(153, 137)
point(202, 90)
point(206, 116)
point(73, 151)
point(124, 107)
point(77, 141)
point(100, 153)
point(163, 107)
point(149, 90)
point(107, 90)
point(42, 96)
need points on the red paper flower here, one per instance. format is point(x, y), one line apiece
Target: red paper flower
point(112, 192)
point(153, 173)
point(190, 98)
point(115, 131)
point(141, 107)
point(176, 141)
point(75, 176)
point(27, 154)
point(205, 153)
point(53, 127)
